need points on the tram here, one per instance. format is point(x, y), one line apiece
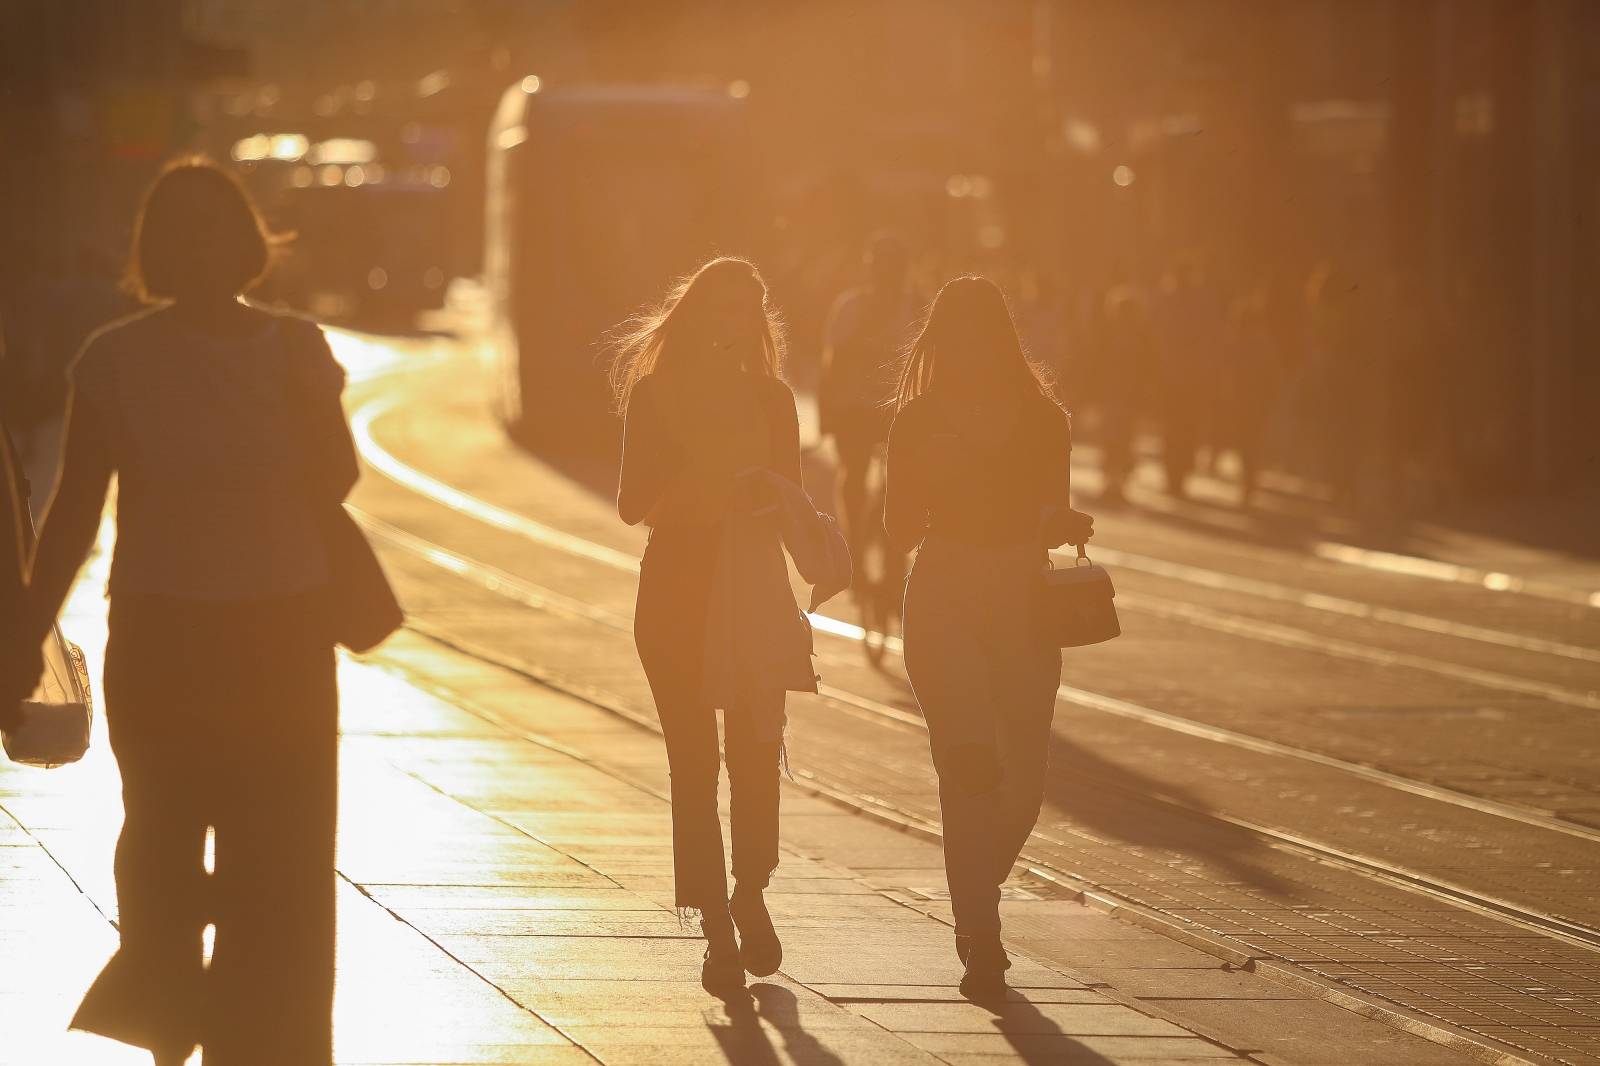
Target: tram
point(597, 198)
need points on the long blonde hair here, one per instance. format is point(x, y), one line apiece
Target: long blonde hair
point(660, 337)
point(969, 346)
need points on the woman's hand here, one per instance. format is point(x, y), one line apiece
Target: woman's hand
point(20, 670)
point(1063, 525)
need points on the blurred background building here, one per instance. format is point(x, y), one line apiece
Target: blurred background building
point(1400, 195)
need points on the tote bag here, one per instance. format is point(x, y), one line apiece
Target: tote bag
point(56, 718)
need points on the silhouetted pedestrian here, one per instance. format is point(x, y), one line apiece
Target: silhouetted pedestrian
point(224, 428)
point(1190, 324)
point(710, 460)
point(867, 328)
point(979, 478)
point(1252, 381)
point(1122, 377)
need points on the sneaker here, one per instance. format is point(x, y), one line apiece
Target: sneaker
point(760, 951)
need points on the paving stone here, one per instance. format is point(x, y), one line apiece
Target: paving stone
point(468, 1054)
point(1048, 1047)
point(949, 993)
point(1162, 985)
point(1314, 1033)
point(1073, 1019)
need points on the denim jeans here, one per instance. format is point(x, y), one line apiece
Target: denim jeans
point(986, 685)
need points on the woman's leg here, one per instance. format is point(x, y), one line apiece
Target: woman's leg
point(753, 781)
point(753, 786)
point(272, 966)
point(948, 668)
point(669, 630)
point(150, 993)
point(694, 761)
point(1026, 678)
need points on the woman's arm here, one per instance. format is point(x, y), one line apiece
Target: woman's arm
point(334, 465)
point(72, 520)
point(642, 481)
point(1059, 524)
point(786, 436)
point(905, 498)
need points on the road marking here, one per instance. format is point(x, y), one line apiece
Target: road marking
point(1435, 570)
point(440, 492)
point(1304, 640)
point(1271, 590)
point(538, 597)
point(1285, 636)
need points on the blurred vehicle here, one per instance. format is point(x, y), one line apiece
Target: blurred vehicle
point(597, 197)
point(370, 254)
point(368, 217)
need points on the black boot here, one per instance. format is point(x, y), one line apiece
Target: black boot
point(986, 965)
point(721, 972)
point(759, 948)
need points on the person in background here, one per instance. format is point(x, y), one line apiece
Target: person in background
point(1337, 416)
point(1190, 327)
point(978, 485)
point(1252, 382)
point(707, 417)
point(1120, 380)
point(223, 426)
point(866, 330)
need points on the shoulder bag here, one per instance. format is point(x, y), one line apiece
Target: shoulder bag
point(357, 605)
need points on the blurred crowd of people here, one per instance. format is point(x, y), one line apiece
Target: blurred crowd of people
point(1326, 377)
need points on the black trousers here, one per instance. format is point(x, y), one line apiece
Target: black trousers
point(222, 716)
point(987, 689)
point(669, 628)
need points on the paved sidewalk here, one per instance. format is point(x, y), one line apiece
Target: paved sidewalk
point(1185, 827)
point(537, 854)
point(868, 925)
point(505, 897)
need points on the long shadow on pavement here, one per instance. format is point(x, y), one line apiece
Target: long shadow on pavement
point(1113, 801)
point(1036, 1039)
point(778, 1005)
point(746, 1042)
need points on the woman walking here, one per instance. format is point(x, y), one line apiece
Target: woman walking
point(224, 428)
point(711, 441)
point(978, 484)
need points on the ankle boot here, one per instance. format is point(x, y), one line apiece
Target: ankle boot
point(722, 970)
point(986, 965)
point(759, 948)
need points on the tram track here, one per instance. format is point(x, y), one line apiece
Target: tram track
point(1246, 950)
point(548, 536)
point(537, 597)
point(1223, 622)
